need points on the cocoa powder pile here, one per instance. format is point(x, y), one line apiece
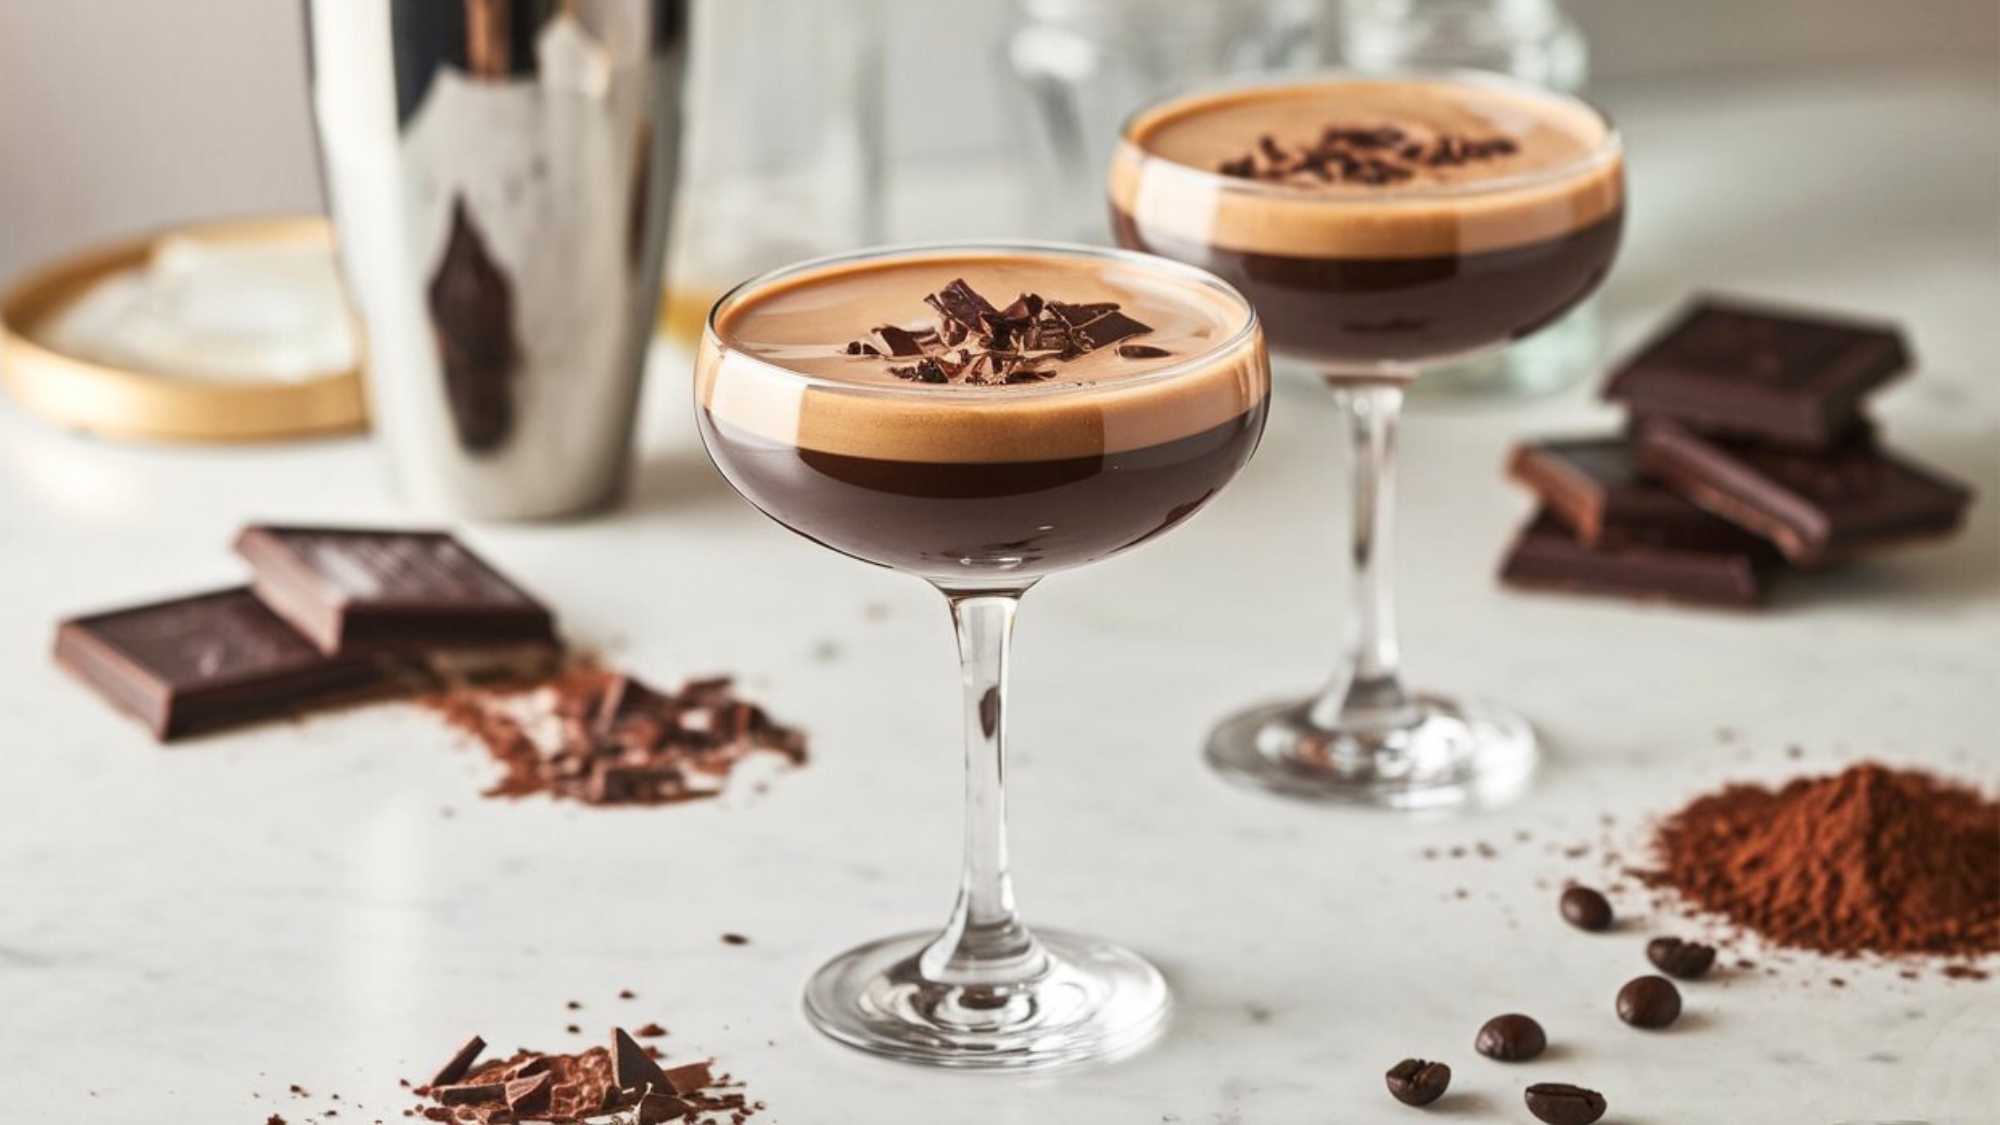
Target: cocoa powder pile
point(1872, 860)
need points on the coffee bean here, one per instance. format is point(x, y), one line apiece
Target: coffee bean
point(1649, 1002)
point(1418, 1082)
point(1560, 1103)
point(1511, 1038)
point(1586, 909)
point(1688, 960)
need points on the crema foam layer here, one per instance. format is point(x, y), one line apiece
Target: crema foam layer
point(1563, 170)
point(774, 363)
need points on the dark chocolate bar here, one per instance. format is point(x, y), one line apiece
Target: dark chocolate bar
point(1639, 564)
point(355, 590)
point(203, 662)
point(1815, 507)
point(1591, 484)
point(1732, 368)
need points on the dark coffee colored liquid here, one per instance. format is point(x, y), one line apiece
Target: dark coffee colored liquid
point(1376, 310)
point(980, 521)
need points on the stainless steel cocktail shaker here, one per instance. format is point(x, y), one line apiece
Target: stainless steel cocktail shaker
point(499, 173)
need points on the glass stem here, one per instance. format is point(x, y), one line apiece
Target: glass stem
point(1367, 694)
point(985, 946)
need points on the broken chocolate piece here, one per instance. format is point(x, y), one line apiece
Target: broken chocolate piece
point(204, 662)
point(1142, 351)
point(1743, 370)
point(1023, 311)
point(634, 1069)
point(1595, 483)
point(1637, 562)
point(1076, 316)
point(1815, 507)
point(659, 1106)
point(961, 308)
point(469, 1094)
point(355, 589)
point(625, 697)
point(460, 1062)
point(530, 1095)
point(528, 1067)
point(1107, 330)
point(899, 341)
point(689, 1078)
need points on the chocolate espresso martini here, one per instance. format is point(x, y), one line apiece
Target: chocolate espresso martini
point(981, 417)
point(1379, 224)
point(1376, 221)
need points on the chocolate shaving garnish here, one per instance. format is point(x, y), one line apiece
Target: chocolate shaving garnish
point(1026, 307)
point(960, 306)
point(976, 344)
point(900, 342)
point(1075, 316)
point(1107, 330)
point(1141, 351)
point(926, 370)
point(1371, 156)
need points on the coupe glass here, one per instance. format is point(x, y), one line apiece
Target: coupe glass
point(1368, 316)
point(985, 991)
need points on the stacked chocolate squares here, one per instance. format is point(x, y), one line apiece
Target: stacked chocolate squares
point(328, 614)
point(1748, 452)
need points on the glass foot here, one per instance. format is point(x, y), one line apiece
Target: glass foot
point(1095, 1000)
point(1444, 753)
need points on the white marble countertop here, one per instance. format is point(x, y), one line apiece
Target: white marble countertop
point(186, 932)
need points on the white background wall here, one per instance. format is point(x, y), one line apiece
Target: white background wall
point(119, 115)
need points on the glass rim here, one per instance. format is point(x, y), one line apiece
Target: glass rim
point(1611, 145)
point(712, 337)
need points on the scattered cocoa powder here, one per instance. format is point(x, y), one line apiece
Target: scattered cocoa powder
point(1872, 860)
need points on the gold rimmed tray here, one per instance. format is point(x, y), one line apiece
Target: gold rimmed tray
point(119, 402)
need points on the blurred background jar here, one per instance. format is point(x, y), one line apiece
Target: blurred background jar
point(1529, 39)
point(784, 152)
point(1082, 65)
